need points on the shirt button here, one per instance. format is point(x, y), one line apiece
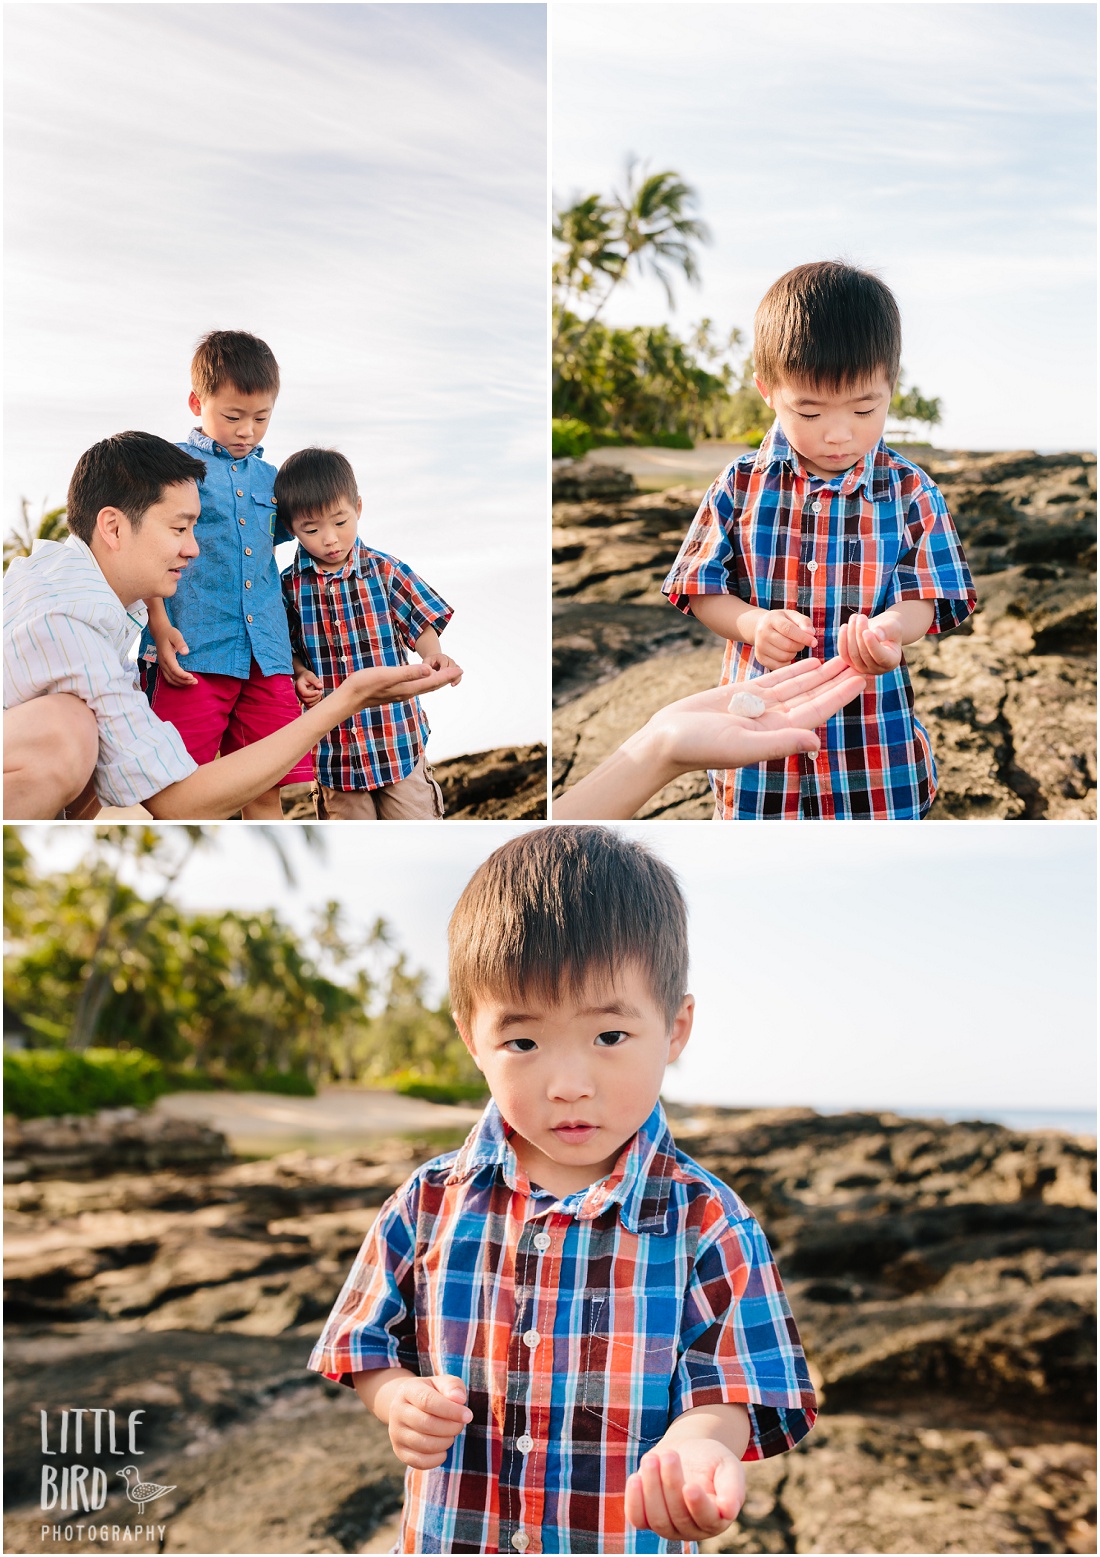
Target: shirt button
point(520, 1541)
point(525, 1444)
point(248, 583)
point(541, 1242)
point(531, 1338)
point(240, 521)
point(248, 551)
point(232, 467)
point(248, 618)
point(812, 566)
point(239, 492)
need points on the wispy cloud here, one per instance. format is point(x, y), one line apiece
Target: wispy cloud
point(361, 185)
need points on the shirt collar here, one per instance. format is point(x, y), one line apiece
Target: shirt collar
point(198, 439)
point(638, 1184)
point(874, 472)
point(354, 564)
point(131, 618)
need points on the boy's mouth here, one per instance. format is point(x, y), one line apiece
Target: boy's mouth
point(576, 1130)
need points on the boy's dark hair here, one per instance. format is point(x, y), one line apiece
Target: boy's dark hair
point(310, 481)
point(232, 357)
point(826, 324)
point(557, 904)
point(129, 471)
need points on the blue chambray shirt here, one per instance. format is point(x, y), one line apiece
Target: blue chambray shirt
point(229, 602)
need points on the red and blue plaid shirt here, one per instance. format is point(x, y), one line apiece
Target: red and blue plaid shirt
point(580, 1327)
point(780, 538)
point(362, 615)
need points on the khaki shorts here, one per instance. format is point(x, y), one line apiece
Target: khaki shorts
point(417, 798)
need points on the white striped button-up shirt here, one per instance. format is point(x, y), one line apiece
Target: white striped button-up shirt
point(65, 630)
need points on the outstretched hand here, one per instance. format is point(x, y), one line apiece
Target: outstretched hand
point(398, 683)
point(688, 1493)
point(700, 732)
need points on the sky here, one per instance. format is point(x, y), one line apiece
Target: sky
point(364, 187)
point(948, 147)
point(902, 967)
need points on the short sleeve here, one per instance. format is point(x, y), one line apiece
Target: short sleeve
point(294, 620)
point(932, 565)
point(415, 605)
point(139, 754)
point(705, 563)
point(739, 1343)
point(372, 1324)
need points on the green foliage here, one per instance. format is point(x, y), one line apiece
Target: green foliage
point(39, 1082)
point(570, 438)
point(409, 1084)
point(910, 406)
point(51, 526)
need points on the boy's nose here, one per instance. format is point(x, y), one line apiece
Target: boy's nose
point(571, 1087)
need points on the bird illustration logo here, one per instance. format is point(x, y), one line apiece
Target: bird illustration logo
point(141, 1492)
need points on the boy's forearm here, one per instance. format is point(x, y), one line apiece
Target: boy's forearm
point(428, 643)
point(158, 616)
point(728, 616)
point(728, 1424)
point(914, 617)
point(375, 1389)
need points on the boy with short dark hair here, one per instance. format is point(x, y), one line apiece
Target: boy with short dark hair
point(351, 607)
point(227, 615)
point(825, 540)
point(574, 1333)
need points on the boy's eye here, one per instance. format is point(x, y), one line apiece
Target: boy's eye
point(867, 413)
point(808, 416)
point(520, 1045)
point(610, 1040)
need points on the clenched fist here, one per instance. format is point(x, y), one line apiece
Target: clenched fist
point(424, 1417)
point(779, 635)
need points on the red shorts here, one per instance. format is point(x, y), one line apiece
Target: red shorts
point(224, 713)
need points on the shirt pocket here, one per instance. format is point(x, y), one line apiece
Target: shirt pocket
point(626, 1377)
point(266, 512)
point(862, 579)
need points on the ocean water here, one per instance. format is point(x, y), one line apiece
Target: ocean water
point(1071, 1120)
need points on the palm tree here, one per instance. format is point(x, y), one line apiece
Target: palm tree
point(51, 526)
point(654, 227)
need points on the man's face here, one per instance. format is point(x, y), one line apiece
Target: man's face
point(329, 536)
point(576, 1078)
point(154, 554)
point(830, 430)
point(237, 421)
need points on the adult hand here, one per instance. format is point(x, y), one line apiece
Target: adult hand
point(425, 1418)
point(396, 683)
point(872, 645)
point(688, 1493)
point(779, 635)
point(170, 643)
point(699, 731)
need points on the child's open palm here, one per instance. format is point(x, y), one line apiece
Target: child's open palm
point(688, 1493)
point(871, 646)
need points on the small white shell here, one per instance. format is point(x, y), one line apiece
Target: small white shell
point(748, 705)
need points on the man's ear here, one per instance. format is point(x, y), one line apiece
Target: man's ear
point(763, 391)
point(194, 404)
point(112, 526)
point(680, 1031)
point(465, 1036)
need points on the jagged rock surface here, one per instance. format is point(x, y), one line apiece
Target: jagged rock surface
point(1009, 699)
point(942, 1277)
point(507, 783)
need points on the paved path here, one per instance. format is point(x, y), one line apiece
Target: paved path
point(338, 1118)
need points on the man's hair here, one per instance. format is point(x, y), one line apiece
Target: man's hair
point(558, 904)
point(129, 472)
point(826, 324)
point(312, 480)
point(233, 358)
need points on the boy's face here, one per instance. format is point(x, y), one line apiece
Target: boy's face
point(329, 536)
point(576, 1078)
point(238, 422)
point(830, 429)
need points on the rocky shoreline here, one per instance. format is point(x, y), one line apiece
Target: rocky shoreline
point(942, 1276)
point(507, 783)
point(1009, 699)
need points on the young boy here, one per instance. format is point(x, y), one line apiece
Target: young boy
point(826, 540)
point(574, 1333)
point(227, 615)
point(351, 607)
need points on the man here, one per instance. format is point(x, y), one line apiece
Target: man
point(75, 715)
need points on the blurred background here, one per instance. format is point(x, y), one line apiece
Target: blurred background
point(364, 187)
point(224, 1047)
